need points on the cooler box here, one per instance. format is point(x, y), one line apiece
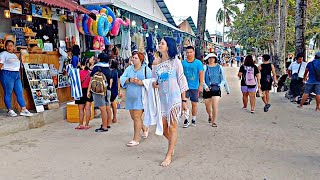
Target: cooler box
point(73, 112)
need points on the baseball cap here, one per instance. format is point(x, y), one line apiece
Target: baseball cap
point(210, 55)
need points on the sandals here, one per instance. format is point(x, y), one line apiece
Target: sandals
point(253, 112)
point(79, 127)
point(101, 129)
point(214, 125)
point(133, 143)
point(209, 120)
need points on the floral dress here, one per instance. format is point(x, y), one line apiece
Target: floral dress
point(172, 83)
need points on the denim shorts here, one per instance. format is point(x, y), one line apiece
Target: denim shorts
point(100, 100)
point(245, 89)
point(310, 88)
point(193, 94)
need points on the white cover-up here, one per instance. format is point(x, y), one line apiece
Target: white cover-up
point(152, 106)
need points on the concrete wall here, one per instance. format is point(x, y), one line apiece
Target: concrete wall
point(185, 26)
point(148, 6)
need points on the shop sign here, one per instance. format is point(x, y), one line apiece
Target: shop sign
point(15, 8)
point(36, 10)
point(46, 12)
point(90, 2)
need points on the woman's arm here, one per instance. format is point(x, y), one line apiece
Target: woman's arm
point(89, 89)
point(205, 86)
point(124, 79)
point(274, 74)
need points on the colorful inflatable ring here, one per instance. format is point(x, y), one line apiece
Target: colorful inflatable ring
point(111, 13)
point(103, 26)
point(106, 40)
point(94, 7)
point(90, 26)
point(85, 24)
point(79, 24)
point(95, 26)
point(104, 11)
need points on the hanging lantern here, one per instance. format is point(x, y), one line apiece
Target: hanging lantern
point(6, 14)
point(29, 18)
point(49, 21)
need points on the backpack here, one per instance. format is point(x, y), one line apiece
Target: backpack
point(316, 72)
point(99, 83)
point(250, 78)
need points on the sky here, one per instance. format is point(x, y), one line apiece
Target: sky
point(188, 8)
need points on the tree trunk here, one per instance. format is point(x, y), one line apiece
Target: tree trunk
point(201, 25)
point(300, 22)
point(277, 33)
point(280, 66)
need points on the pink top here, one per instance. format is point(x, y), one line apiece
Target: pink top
point(85, 78)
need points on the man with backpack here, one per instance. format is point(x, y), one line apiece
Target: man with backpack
point(100, 90)
point(312, 77)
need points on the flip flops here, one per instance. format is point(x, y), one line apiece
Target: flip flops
point(145, 135)
point(80, 127)
point(214, 125)
point(133, 143)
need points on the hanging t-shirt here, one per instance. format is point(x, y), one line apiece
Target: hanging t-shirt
point(10, 61)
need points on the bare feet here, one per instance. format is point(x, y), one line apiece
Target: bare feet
point(317, 109)
point(114, 120)
point(166, 162)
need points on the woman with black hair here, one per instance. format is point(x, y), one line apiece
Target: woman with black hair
point(75, 56)
point(172, 85)
point(10, 79)
point(250, 82)
point(214, 80)
point(84, 103)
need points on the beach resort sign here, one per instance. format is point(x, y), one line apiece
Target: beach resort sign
point(90, 2)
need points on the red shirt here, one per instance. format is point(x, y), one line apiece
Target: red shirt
point(85, 78)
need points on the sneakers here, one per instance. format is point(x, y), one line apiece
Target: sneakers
point(26, 113)
point(11, 113)
point(186, 123)
point(266, 107)
point(193, 123)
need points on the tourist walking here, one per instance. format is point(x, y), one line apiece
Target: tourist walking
point(10, 79)
point(84, 103)
point(250, 82)
point(193, 71)
point(296, 73)
point(312, 77)
point(131, 80)
point(115, 88)
point(168, 71)
point(99, 86)
point(266, 69)
point(214, 80)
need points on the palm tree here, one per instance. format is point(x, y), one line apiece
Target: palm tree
point(226, 13)
point(300, 23)
point(201, 25)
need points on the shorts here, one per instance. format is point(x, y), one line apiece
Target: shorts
point(245, 89)
point(193, 95)
point(84, 99)
point(100, 100)
point(210, 94)
point(113, 97)
point(266, 86)
point(312, 88)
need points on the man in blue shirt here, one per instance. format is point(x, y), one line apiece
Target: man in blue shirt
point(193, 70)
point(313, 82)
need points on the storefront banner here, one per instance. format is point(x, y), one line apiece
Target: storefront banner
point(63, 81)
point(36, 10)
point(41, 84)
point(15, 8)
point(46, 12)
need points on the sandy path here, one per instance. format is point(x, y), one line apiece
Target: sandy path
point(281, 144)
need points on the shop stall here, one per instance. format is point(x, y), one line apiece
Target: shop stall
point(39, 29)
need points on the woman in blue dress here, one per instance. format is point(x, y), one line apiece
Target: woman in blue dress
point(131, 80)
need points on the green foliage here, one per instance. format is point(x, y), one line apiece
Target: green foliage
point(255, 26)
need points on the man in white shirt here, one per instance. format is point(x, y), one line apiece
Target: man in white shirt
point(296, 73)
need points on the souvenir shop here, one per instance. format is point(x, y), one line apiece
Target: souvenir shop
point(39, 29)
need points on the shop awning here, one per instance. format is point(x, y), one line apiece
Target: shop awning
point(66, 4)
point(143, 14)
